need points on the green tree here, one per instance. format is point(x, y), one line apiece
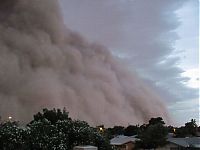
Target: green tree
point(180, 132)
point(12, 137)
point(51, 130)
point(131, 130)
point(116, 130)
point(190, 129)
point(154, 134)
point(171, 129)
point(52, 115)
point(45, 136)
point(101, 141)
point(157, 120)
point(80, 133)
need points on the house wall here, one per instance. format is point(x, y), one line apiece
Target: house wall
point(82, 148)
point(130, 146)
point(169, 146)
point(127, 146)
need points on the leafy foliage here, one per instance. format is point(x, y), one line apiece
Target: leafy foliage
point(116, 130)
point(190, 129)
point(153, 134)
point(52, 115)
point(157, 120)
point(131, 130)
point(50, 130)
point(42, 135)
point(12, 136)
point(55, 130)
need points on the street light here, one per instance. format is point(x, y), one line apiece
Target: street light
point(9, 117)
point(101, 129)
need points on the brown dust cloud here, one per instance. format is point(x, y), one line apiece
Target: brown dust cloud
point(45, 64)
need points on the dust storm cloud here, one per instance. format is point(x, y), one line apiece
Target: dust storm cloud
point(45, 64)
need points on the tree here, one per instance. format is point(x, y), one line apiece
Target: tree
point(101, 142)
point(131, 130)
point(52, 115)
point(190, 129)
point(45, 136)
point(171, 129)
point(116, 130)
point(46, 125)
point(157, 120)
point(153, 134)
point(180, 132)
point(80, 133)
point(50, 130)
point(12, 136)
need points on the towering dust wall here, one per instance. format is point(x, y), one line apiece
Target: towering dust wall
point(44, 64)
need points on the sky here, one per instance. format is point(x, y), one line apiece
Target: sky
point(157, 39)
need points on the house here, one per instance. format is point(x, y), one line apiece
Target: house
point(188, 143)
point(87, 147)
point(122, 142)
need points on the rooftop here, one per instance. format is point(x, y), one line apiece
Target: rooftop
point(186, 142)
point(121, 139)
point(86, 147)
